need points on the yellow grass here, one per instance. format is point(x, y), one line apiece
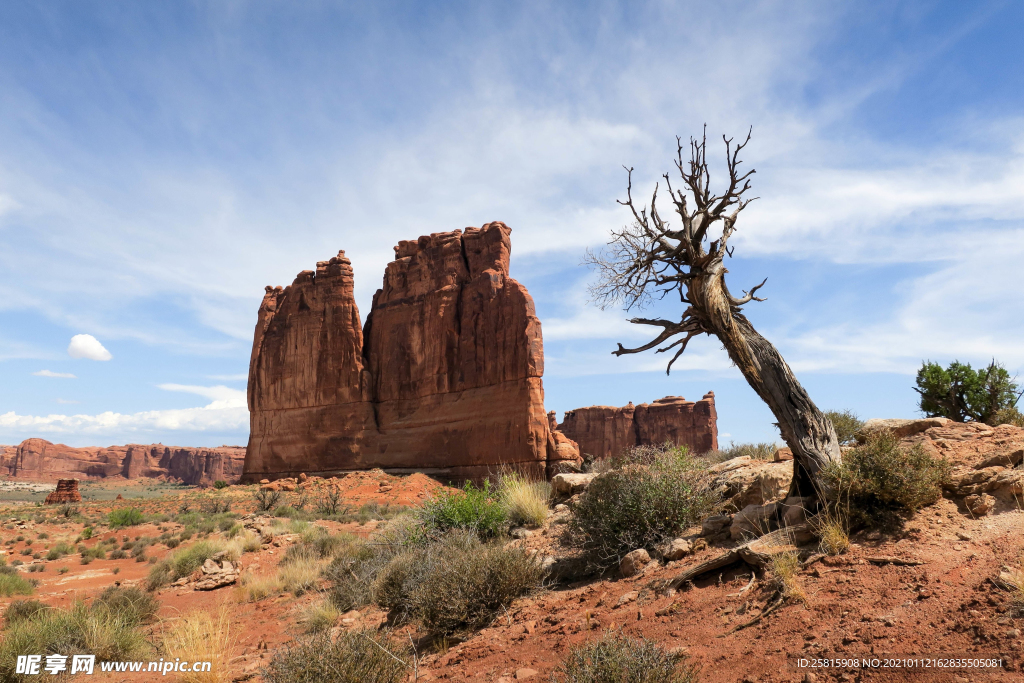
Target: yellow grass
point(201, 636)
point(256, 588)
point(299, 575)
point(525, 501)
point(320, 615)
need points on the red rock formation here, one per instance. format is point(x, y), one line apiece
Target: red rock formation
point(40, 459)
point(445, 378)
point(66, 492)
point(603, 431)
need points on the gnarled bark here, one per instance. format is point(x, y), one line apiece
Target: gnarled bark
point(649, 258)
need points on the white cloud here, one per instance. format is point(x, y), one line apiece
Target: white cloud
point(219, 393)
point(50, 373)
point(87, 346)
point(66, 401)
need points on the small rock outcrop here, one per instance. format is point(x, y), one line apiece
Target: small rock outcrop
point(445, 377)
point(66, 492)
point(42, 460)
point(604, 431)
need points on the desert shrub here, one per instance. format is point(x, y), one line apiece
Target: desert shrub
point(37, 568)
point(87, 533)
point(639, 506)
point(217, 507)
point(124, 517)
point(94, 553)
point(220, 484)
point(757, 451)
point(127, 603)
point(182, 563)
point(266, 500)
point(784, 567)
point(471, 508)
point(882, 481)
point(77, 630)
point(847, 424)
point(299, 576)
point(617, 658)
point(1009, 416)
point(525, 502)
point(327, 500)
point(355, 657)
point(67, 510)
point(43, 536)
point(172, 542)
point(962, 393)
point(118, 554)
point(316, 543)
point(319, 616)
point(285, 511)
point(257, 587)
point(356, 563)
point(20, 610)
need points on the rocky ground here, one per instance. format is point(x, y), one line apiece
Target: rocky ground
point(932, 589)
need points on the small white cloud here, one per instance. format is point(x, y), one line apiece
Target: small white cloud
point(50, 373)
point(87, 346)
point(231, 378)
point(66, 400)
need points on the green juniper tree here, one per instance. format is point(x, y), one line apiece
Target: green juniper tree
point(964, 394)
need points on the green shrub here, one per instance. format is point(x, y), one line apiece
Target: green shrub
point(220, 484)
point(124, 517)
point(316, 543)
point(128, 604)
point(471, 508)
point(87, 533)
point(14, 583)
point(847, 424)
point(882, 481)
point(173, 542)
point(617, 658)
point(641, 505)
point(355, 657)
point(962, 393)
point(20, 610)
point(1009, 416)
point(756, 451)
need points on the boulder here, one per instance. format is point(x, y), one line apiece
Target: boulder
point(980, 504)
point(634, 562)
point(676, 549)
point(752, 521)
point(901, 428)
point(746, 481)
point(565, 485)
point(715, 524)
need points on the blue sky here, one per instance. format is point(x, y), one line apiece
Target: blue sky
point(161, 162)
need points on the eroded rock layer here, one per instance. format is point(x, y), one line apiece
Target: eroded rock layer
point(603, 431)
point(445, 378)
point(66, 492)
point(40, 459)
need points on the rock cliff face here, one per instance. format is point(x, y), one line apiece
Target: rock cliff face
point(66, 492)
point(444, 379)
point(604, 431)
point(40, 459)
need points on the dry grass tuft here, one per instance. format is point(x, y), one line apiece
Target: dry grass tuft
point(784, 567)
point(319, 616)
point(258, 587)
point(201, 636)
point(525, 501)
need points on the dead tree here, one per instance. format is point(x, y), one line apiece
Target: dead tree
point(650, 258)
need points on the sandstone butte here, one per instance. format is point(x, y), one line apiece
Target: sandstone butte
point(66, 492)
point(445, 378)
point(603, 431)
point(42, 460)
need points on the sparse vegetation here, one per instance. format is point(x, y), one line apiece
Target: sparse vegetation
point(266, 500)
point(220, 484)
point(20, 610)
point(882, 481)
point(784, 567)
point(124, 517)
point(127, 603)
point(847, 425)
point(13, 583)
point(182, 563)
point(641, 505)
point(319, 616)
point(201, 636)
point(471, 508)
point(617, 658)
point(525, 502)
point(354, 657)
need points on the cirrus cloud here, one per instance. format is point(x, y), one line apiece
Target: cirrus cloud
point(50, 373)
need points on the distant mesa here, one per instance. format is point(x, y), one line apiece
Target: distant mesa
point(606, 431)
point(445, 377)
point(66, 492)
point(39, 459)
